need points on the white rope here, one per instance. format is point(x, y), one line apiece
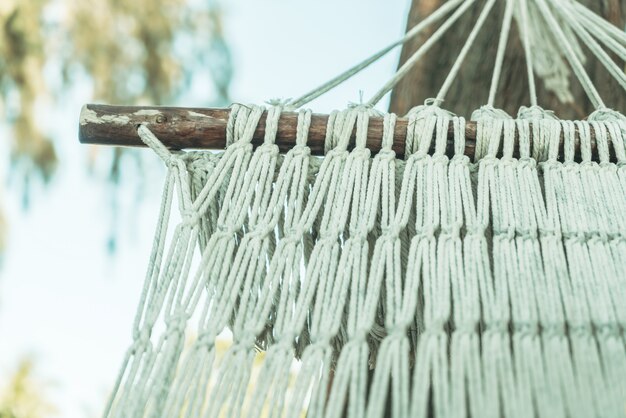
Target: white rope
point(530, 248)
point(616, 72)
point(486, 288)
point(599, 31)
point(461, 57)
point(610, 29)
point(417, 55)
point(504, 37)
point(410, 34)
point(570, 54)
point(528, 52)
point(606, 33)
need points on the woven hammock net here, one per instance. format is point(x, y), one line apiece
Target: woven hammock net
point(433, 285)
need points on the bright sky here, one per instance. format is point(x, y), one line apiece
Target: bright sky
point(64, 300)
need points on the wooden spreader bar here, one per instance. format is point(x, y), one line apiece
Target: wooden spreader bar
point(205, 128)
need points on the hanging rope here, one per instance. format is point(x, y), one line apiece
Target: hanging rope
point(429, 286)
point(502, 42)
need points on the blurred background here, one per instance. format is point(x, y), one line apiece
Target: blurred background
point(76, 221)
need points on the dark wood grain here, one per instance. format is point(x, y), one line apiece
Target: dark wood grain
point(195, 128)
point(205, 128)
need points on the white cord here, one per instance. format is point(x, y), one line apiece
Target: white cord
point(504, 37)
point(408, 65)
point(461, 57)
point(532, 89)
point(413, 32)
point(569, 53)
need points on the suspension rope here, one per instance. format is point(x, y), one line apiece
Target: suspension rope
point(471, 288)
point(600, 32)
point(502, 42)
point(569, 53)
point(601, 24)
point(532, 89)
point(461, 57)
point(408, 65)
point(594, 47)
point(412, 33)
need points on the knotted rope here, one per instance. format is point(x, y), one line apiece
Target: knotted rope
point(435, 284)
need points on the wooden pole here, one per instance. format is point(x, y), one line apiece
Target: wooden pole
point(204, 128)
point(196, 128)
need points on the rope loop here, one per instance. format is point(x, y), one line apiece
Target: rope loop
point(488, 130)
point(426, 121)
point(304, 124)
point(242, 122)
point(389, 125)
point(459, 136)
point(271, 124)
point(190, 217)
point(537, 117)
point(584, 134)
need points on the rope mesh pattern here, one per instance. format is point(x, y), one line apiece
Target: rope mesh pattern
point(435, 286)
point(490, 288)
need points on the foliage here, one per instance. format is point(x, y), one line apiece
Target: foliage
point(133, 51)
point(23, 396)
point(22, 60)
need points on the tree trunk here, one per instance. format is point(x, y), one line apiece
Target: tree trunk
point(471, 88)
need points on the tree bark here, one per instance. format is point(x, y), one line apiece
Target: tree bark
point(471, 88)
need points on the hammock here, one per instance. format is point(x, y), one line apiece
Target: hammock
point(483, 274)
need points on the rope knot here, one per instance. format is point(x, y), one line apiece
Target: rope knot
point(452, 229)
point(361, 153)
point(206, 339)
point(246, 339)
point(498, 327)
point(475, 228)
point(390, 232)
point(552, 330)
point(535, 113)
point(226, 231)
point(176, 322)
point(267, 148)
point(190, 217)
point(282, 103)
point(141, 346)
point(339, 129)
point(143, 338)
point(386, 154)
point(524, 163)
point(175, 163)
point(489, 112)
point(466, 328)
point(425, 122)
point(300, 151)
point(242, 123)
point(606, 115)
point(527, 232)
point(440, 160)
point(489, 129)
point(526, 329)
point(429, 109)
point(426, 232)
point(460, 159)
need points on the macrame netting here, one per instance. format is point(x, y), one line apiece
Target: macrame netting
point(433, 285)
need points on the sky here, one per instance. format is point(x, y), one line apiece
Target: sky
point(65, 301)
